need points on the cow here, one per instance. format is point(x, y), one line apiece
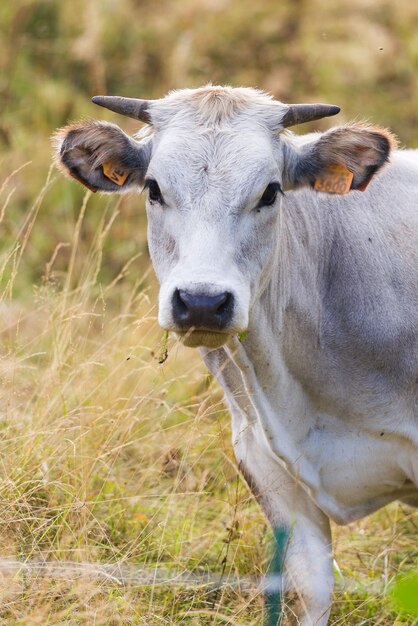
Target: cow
point(292, 263)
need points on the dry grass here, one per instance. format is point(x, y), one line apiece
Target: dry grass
point(109, 457)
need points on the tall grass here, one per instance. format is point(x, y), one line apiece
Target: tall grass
point(117, 472)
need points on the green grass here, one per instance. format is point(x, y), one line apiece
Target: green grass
point(109, 457)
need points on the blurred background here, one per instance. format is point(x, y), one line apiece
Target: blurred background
point(359, 54)
point(110, 452)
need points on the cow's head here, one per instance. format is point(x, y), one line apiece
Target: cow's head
point(215, 162)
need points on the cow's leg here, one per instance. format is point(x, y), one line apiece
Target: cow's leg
point(308, 568)
point(308, 560)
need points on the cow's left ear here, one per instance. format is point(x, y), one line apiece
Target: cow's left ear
point(340, 160)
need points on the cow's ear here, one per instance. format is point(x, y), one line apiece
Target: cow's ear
point(101, 156)
point(340, 160)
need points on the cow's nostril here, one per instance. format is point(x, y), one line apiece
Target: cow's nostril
point(225, 304)
point(213, 312)
point(180, 307)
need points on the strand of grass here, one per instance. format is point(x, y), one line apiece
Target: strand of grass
point(231, 532)
point(74, 248)
point(10, 176)
point(8, 257)
point(138, 294)
point(50, 263)
point(98, 245)
point(94, 257)
point(122, 274)
point(25, 232)
point(6, 204)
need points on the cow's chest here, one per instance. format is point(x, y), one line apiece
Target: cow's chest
point(349, 472)
point(349, 468)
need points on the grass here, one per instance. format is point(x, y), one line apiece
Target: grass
point(117, 470)
point(109, 457)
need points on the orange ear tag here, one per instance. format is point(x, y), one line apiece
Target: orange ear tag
point(113, 173)
point(335, 179)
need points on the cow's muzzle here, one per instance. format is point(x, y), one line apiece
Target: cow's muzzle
point(204, 312)
point(200, 311)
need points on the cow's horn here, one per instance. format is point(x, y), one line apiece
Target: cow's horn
point(300, 113)
point(131, 107)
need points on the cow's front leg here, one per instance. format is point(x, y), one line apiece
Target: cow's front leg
point(308, 568)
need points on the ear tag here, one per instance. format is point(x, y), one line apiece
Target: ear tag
point(335, 179)
point(113, 173)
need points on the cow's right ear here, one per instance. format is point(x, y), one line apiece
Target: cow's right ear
point(101, 156)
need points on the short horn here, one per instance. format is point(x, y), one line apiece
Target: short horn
point(131, 107)
point(300, 113)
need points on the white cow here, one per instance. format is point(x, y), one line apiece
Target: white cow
point(323, 389)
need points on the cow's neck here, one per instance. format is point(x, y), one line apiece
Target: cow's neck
point(255, 374)
point(287, 315)
point(284, 326)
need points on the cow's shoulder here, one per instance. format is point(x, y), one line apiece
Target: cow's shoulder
point(366, 316)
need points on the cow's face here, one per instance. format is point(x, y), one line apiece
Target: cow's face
point(213, 199)
point(215, 169)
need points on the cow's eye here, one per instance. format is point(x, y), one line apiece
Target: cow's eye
point(154, 192)
point(270, 194)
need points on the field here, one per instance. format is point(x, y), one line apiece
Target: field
point(120, 502)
